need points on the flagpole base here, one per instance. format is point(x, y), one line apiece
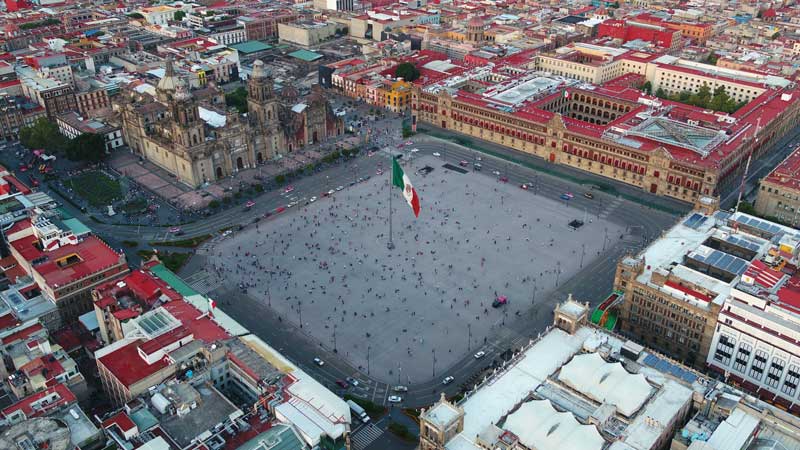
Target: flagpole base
point(390, 245)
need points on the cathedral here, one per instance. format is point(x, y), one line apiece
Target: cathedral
point(195, 137)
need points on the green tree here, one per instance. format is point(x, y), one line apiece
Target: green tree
point(660, 93)
point(238, 99)
point(407, 71)
point(43, 134)
point(179, 15)
point(136, 15)
point(87, 147)
point(712, 58)
point(776, 35)
point(647, 87)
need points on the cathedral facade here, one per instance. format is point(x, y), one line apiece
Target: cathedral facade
point(194, 137)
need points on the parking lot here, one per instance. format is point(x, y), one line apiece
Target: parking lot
point(412, 312)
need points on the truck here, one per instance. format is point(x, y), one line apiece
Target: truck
point(358, 411)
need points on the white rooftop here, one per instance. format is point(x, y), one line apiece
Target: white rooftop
point(605, 382)
point(441, 414)
point(538, 425)
point(525, 90)
point(735, 431)
point(212, 118)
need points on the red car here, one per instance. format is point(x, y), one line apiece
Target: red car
point(342, 384)
point(463, 163)
point(504, 179)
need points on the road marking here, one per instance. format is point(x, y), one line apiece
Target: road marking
point(365, 436)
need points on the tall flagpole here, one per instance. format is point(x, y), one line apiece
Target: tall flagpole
point(390, 245)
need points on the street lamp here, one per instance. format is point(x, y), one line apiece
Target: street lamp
point(433, 350)
point(368, 349)
point(334, 339)
point(300, 311)
point(533, 296)
point(469, 337)
point(558, 271)
point(583, 251)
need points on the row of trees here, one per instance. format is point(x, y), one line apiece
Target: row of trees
point(718, 100)
point(44, 134)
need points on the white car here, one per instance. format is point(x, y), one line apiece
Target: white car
point(414, 150)
point(400, 389)
point(331, 192)
point(395, 399)
point(480, 354)
point(339, 188)
point(437, 154)
point(496, 173)
point(227, 233)
point(312, 199)
point(319, 362)
point(448, 380)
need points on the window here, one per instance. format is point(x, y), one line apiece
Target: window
point(759, 363)
point(724, 349)
point(775, 372)
point(792, 378)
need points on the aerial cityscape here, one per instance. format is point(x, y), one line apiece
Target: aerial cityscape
point(397, 225)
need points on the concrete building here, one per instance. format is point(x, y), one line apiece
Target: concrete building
point(192, 140)
point(158, 15)
point(72, 125)
point(778, 194)
point(306, 34)
point(17, 112)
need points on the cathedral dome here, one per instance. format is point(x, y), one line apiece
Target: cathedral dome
point(259, 69)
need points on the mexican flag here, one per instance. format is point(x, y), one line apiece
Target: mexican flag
point(565, 93)
point(400, 179)
point(211, 304)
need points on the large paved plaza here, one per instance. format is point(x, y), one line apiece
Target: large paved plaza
point(475, 238)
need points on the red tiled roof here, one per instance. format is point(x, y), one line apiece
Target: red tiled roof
point(125, 314)
point(25, 405)
point(164, 340)
point(8, 321)
point(203, 328)
point(67, 339)
point(95, 256)
point(121, 420)
point(787, 173)
point(42, 363)
point(128, 366)
point(23, 333)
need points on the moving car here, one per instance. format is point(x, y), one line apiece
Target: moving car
point(524, 186)
point(174, 229)
point(480, 354)
point(414, 150)
point(504, 179)
point(463, 163)
point(437, 154)
point(395, 399)
point(312, 199)
point(588, 195)
point(342, 384)
point(319, 362)
point(499, 301)
point(400, 389)
point(352, 381)
point(288, 189)
point(567, 196)
point(379, 172)
point(477, 166)
point(339, 188)
point(331, 192)
point(448, 380)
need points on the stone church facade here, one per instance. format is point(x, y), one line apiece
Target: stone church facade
point(168, 130)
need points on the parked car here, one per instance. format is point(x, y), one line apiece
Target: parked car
point(504, 179)
point(319, 362)
point(448, 380)
point(437, 154)
point(477, 166)
point(499, 301)
point(342, 384)
point(395, 399)
point(400, 389)
point(352, 381)
point(288, 189)
point(480, 354)
point(339, 188)
point(463, 163)
point(524, 186)
point(588, 195)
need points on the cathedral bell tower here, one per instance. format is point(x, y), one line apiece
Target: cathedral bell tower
point(261, 101)
point(189, 129)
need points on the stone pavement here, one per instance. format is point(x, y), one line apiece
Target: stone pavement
point(416, 310)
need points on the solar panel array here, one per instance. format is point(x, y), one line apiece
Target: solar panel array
point(760, 224)
point(742, 242)
point(667, 367)
point(721, 260)
point(695, 221)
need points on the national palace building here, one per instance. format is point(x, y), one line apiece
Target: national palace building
point(581, 105)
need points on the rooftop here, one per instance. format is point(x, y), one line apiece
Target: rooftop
point(127, 365)
point(211, 409)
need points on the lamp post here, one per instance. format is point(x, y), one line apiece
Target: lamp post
point(433, 350)
point(334, 339)
point(583, 252)
point(368, 349)
point(558, 271)
point(533, 296)
point(469, 337)
point(300, 311)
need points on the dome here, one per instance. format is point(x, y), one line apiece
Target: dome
point(289, 92)
point(169, 81)
point(259, 69)
point(476, 22)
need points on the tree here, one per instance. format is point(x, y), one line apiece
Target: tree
point(238, 99)
point(136, 15)
point(87, 147)
point(776, 35)
point(647, 87)
point(712, 58)
point(406, 71)
point(43, 134)
point(660, 93)
point(179, 15)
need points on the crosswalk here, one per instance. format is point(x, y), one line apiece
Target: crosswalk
point(203, 282)
point(364, 436)
point(609, 210)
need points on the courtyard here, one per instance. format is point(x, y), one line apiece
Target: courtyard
point(421, 307)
